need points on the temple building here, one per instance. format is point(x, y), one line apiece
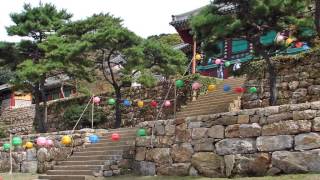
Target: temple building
point(233, 50)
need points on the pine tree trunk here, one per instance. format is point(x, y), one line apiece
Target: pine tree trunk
point(117, 107)
point(272, 81)
point(45, 107)
point(38, 121)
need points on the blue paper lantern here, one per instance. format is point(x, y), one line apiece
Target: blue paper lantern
point(126, 103)
point(305, 47)
point(93, 138)
point(226, 88)
point(210, 61)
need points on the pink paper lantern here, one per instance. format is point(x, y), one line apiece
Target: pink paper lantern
point(167, 103)
point(96, 100)
point(217, 61)
point(41, 141)
point(49, 143)
point(196, 86)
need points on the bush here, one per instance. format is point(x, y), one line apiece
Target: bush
point(72, 114)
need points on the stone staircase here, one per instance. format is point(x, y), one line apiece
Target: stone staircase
point(213, 102)
point(96, 159)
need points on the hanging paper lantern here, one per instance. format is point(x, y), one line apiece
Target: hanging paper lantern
point(253, 90)
point(115, 137)
point(94, 138)
point(209, 61)
point(227, 64)
point(217, 61)
point(289, 41)
point(279, 38)
point(29, 145)
point(141, 132)
point(41, 141)
point(239, 90)
point(153, 104)
point(179, 83)
point(198, 57)
point(49, 143)
point(16, 141)
point(66, 140)
point(305, 47)
point(167, 103)
point(6, 146)
point(140, 104)
point(211, 87)
point(226, 88)
point(298, 44)
point(111, 101)
point(196, 86)
point(96, 100)
point(126, 103)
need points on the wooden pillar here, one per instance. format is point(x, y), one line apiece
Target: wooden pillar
point(194, 56)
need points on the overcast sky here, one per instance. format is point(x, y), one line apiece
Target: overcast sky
point(144, 17)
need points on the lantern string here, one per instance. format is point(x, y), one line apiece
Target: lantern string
point(162, 104)
point(81, 115)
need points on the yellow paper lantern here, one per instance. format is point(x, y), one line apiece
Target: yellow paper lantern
point(198, 57)
point(29, 145)
point(211, 87)
point(66, 140)
point(140, 104)
point(289, 41)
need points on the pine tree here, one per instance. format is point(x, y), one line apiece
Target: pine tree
point(250, 20)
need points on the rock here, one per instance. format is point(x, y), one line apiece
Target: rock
point(116, 172)
point(170, 129)
point(274, 143)
point(293, 85)
point(315, 105)
point(208, 164)
point(144, 141)
point(316, 124)
point(205, 145)
point(314, 89)
point(235, 146)
point(193, 172)
point(216, 132)
point(300, 107)
point(144, 168)
point(250, 164)
point(229, 163)
point(182, 134)
point(250, 130)
point(29, 167)
point(307, 141)
point(181, 153)
point(226, 120)
point(165, 141)
point(243, 119)
point(279, 117)
point(159, 155)
point(42, 155)
point(299, 93)
point(198, 133)
point(304, 115)
point(140, 154)
point(273, 171)
point(267, 111)
point(31, 154)
point(286, 127)
point(179, 169)
point(195, 124)
point(107, 173)
point(297, 162)
point(232, 131)
point(159, 128)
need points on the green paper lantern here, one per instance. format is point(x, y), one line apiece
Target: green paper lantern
point(253, 90)
point(227, 64)
point(141, 132)
point(6, 146)
point(16, 141)
point(111, 101)
point(179, 83)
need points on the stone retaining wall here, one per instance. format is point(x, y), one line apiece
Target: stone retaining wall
point(298, 81)
point(40, 159)
point(253, 142)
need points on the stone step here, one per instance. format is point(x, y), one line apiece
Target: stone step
point(122, 138)
point(87, 153)
point(90, 162)
point(70, 172)
point(104, 148)
point(123, 129)
point(210, 102)
point(202, 112)
point(79, 167)
point(104, 144)
point(62, 177)
point(213, 107)
point(95, 157)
